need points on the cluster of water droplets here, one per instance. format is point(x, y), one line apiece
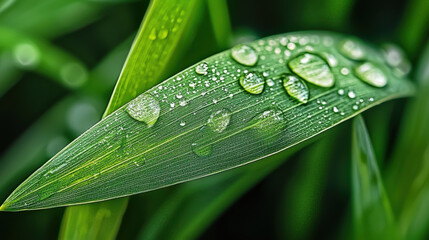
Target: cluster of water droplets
point(302, 66)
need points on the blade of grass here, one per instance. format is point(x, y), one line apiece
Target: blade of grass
point(219, 16)
point(372, 215)
point(168, 148)
point(29, 151)
point(9, 73)
point(191, 209)
point(414, 27)
point(44, 13)
point(4, 4)
point(157, 40)
point(303, 195)
point(33, 53)
point(408, 174)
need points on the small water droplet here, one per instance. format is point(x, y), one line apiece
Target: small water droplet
point(332, 61)
point(296, 88)
point(244, 54)
point(345, 71)
point(202, 68)
point(352, 49)
point(144, 108)
point(355, 107)
point(335, 109)
point(163, 33)
point(340, 92)
point(26, 54)
point(219, 120)
point(182, 123)
point(252, 83)
point(201, 149)
point(351, 94)
point(395, 57)
point(371, 74)
point(269, 122)
point(313, 69)
point(152, 34)
point(270, 82)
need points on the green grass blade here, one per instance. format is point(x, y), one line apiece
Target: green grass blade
point(414, 26)
point(304, 195)
point(191, 209)
point(41, 56)
point(44, 13)
point(219, 16)
point(105, 215)
point(30, 149)
point(157, 40)
point(372, 214)
point(145, 66)
point(121, 156)
point(4, 4)
point(409, 172)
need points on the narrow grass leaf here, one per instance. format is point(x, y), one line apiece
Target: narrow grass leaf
point(372, 214)
point(196, 124)
point(219, 16)
point(302, 197)
point(165, 23)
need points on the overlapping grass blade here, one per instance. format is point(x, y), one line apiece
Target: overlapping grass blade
point(409, 173)
point(157, 40)
point(23, 157)
point(303, 196)
point(219, 17)
point(41, 56)
point(121, 156)
point(191, 209)
point(372, 215)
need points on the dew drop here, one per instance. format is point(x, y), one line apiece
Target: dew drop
point(152, 34)
point(26, 54)
point(202, 68)
point(352, 49)
point(269, 122)
point(252, 83)
point(296, 88)
point(371, 74)
point(219, 120)
point(351, 94)
point(144, 108)
point(335, 109)
point(244, 54)
point(201, 149)
point(313, 69)
point(182, 123)
point(395, 57)
point(163, 33)
point(340, 92)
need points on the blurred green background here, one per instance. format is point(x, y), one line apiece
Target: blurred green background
point(59, 61)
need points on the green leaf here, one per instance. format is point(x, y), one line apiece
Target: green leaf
point(372, 214)
point(303, 196)
point(74, 226)
point(191, 209)
point(121, 156)
point(165, 23)
point(4, 4)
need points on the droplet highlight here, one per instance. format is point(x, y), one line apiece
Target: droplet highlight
point(353, 49)
point(252, 83)
point(371, 74)
point(144, 108)
point(244, 55)
point(313, 69)
point(296, 88)
point(202, 68)
point(219, 120)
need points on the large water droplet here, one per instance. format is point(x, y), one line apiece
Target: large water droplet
point(26, 54)
point(313, 69)
point(252, 83)
point(352, 49)
point(201, 149)
point(144, 108)
point(371, 74)
point(219, 120)
point(269, 122)
point(163, 33)
point(296, 88)
point(202, 68)
point(244, 54)
point(395, 57)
